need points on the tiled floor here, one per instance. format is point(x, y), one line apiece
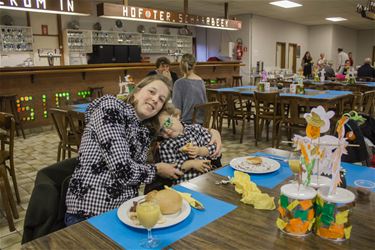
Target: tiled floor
point(39, 150)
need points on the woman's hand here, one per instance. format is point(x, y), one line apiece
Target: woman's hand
point(167, 170)
point(216, 139)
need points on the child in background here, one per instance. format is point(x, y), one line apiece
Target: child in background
point(186, 145)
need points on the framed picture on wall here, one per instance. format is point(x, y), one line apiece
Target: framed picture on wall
point(298, 52)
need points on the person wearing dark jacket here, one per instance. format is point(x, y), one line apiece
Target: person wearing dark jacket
point(366, 70)
point(162, 67)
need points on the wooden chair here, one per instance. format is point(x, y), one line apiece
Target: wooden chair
point(369, 103)
point(212, 95)
point(221, 80)
point(237, 81)
point(7, 198)
point(77, 125)
point(8, 103)
point(207, 81)
point(236, 110)
point(266, 111)
point(67, 139)
point(7, 124)
point(211, 111)
point(96, 92)
point(288, 120)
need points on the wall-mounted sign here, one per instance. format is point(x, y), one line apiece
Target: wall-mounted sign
point(117, 11)
point(67, 7)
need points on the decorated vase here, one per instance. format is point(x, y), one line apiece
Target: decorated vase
point(333, 214)
point(296, 209)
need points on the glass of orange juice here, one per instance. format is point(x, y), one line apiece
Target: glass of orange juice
point(148, 214)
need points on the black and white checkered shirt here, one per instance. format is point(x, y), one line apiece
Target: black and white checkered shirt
point(112, 159)
point(170, 148)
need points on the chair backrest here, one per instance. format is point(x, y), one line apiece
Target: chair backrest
point(369, 103)
point(46, 209)
point(238, 103)
point(212, 95)
point(61, 122)
point(76, 124)
point(7, 129)
point(210, 110)
point(266, 104)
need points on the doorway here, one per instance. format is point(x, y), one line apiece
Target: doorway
point(280, 55)
point(292, 57)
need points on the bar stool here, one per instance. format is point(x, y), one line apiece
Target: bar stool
point(221, 80)
point(96, 92)
point(8, 104)
point(237, 81)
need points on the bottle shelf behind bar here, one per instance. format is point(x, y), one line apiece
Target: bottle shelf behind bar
point(14, 39)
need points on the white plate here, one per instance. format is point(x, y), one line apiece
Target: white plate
point(267, 166)
point(170, 220)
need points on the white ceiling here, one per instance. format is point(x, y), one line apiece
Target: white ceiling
point(313, 12)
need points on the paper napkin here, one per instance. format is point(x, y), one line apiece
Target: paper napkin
point(251, 193)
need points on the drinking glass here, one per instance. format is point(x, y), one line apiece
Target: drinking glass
point(294, 162)
point(148, 214)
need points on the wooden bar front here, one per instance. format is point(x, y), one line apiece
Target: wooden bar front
point(40, 88)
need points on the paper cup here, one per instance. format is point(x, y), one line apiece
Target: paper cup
point(333, 214)
point(293, 88)
point(267, 86)
point(296, 210)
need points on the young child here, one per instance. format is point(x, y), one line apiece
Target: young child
point(186, 145)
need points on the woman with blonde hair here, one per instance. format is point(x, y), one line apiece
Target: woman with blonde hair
point(189, 90)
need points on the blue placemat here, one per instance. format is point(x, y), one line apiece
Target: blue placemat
point(355, 172)
point(80, 107)
point(129, 238)
point(270, 180)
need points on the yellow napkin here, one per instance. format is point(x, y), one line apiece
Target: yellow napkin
point(187, 196)
point(251, 193)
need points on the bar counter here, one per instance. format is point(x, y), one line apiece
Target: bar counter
point(40, 88)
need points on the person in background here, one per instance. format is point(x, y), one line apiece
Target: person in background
point(113, 152)
point(366, 70)
point(329, 72)
point(351, 62)
point(321, 61)
point(186, 145)
point(162, 67)
point(341, 59)
point(307, 63)
point(347, 68)
point(189, 91)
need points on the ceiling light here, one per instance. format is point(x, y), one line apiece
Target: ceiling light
point(336, 19)
point(286, 4)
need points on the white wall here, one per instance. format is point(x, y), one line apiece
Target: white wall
point(201, 39)
point(365, 44)
point(266, 32)
point(245, 35)
point(320, 41)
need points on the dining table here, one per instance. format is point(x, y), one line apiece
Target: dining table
point(359, 86)
point(329, 99)
point(226, 222)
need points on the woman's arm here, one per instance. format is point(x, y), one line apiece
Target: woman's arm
point(216, 139)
